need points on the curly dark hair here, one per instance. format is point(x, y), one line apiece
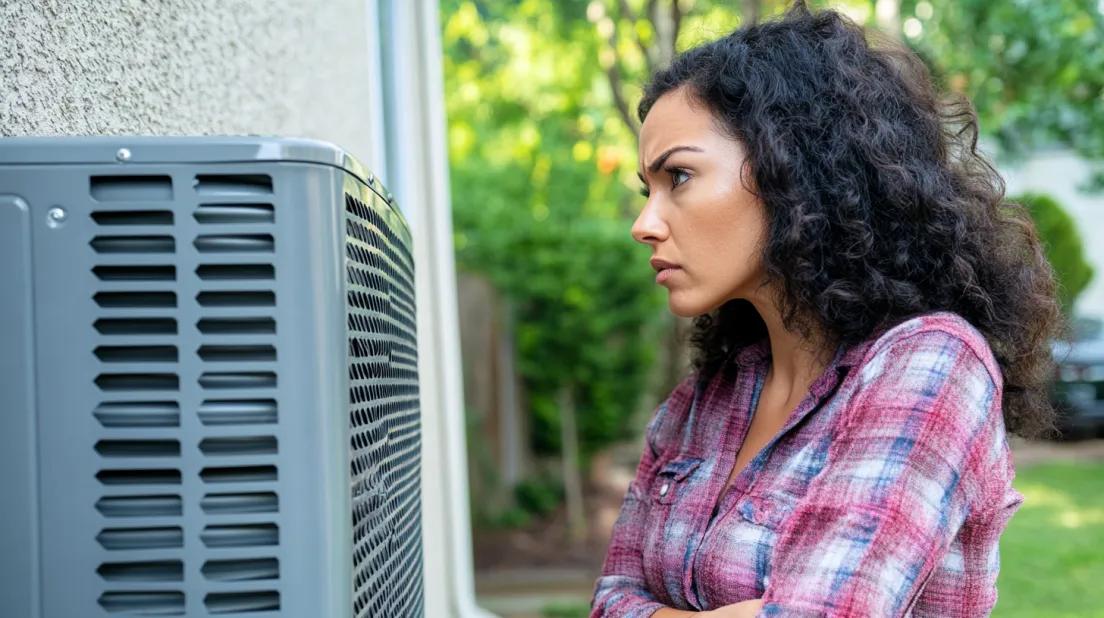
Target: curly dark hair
point(880, 206)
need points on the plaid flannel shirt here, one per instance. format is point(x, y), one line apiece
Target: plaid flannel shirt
point(884, 494)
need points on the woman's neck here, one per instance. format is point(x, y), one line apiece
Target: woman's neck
point(795, 361)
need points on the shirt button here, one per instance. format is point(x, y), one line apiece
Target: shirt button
point(664, 488)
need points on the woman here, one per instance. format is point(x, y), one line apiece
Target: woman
point(871, 318)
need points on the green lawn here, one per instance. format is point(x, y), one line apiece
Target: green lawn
point(1052, 554)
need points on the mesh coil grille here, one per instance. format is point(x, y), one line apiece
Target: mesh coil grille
point(384, 417)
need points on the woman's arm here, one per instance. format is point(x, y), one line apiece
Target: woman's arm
point(621, 592)
point(744, 609)
point(910, 461)
point(668, 612)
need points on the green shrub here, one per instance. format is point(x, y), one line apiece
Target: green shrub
point(538, 496)
point(1063, 245)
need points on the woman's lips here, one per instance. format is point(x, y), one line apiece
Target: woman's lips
point(665, 269)
point(665, 274)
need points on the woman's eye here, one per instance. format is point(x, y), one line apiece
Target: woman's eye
point(678, 177)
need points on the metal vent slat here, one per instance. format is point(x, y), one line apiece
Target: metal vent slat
point(138, 413)
point(140, 476)
point(237, 412)
point(156, 603)
point(236, 570)
point(215, 214)
point(234, 503)
point(136, 272)
point(240, 535)
point(163, 537)
point(226, 380)
point(238, 602)
point(235, 272)
point(133, 217)
point(144, 505)
point(239, 474)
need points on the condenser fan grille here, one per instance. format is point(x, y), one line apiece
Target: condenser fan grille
point(383, 416)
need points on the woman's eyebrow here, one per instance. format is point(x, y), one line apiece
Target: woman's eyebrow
point(654, 166)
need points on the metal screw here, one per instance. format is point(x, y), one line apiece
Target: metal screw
point(664, 488)
point(56, 216)
point(390, 198)
point(123, 155)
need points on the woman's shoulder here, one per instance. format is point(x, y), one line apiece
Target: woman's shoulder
point(932, 380)
point(933, 337)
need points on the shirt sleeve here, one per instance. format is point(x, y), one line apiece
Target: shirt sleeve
point(621, 591)
point(904, 470)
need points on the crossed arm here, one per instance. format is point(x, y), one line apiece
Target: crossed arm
point(743, 609)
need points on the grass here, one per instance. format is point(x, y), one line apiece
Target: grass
point(566, 610)
point(1052, 553)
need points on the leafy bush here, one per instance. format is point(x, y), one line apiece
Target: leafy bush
point(1063, 245)
point(538, 496)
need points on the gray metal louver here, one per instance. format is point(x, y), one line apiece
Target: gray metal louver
point(208, 382)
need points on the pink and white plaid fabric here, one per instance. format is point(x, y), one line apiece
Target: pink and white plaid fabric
point(885, 493)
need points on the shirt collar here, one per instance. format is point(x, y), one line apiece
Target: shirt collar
point(757, 354)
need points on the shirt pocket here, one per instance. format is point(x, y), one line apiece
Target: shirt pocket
point(673, 478)
point(768, 511)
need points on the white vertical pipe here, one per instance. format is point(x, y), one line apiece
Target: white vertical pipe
point(376, 156)
point(418, 175)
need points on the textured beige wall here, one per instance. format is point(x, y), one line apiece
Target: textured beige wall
point(275, 67)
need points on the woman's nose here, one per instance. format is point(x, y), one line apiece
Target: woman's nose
point(649, 228)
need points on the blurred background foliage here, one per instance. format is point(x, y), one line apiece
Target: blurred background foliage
point(1034, 70)
point(542, 152)
point(540, 204)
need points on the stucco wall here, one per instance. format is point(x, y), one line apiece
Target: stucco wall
point(281, 67)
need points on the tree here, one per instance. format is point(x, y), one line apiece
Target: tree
point(1034, 70)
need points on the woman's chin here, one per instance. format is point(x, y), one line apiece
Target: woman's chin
point(682, 308)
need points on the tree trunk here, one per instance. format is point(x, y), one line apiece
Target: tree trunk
point(572, 477)
point(666, 24)
point(750, 11)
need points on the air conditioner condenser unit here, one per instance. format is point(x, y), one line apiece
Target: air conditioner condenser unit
point(209, 394)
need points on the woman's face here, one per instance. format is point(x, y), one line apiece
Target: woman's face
point(699, 216)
